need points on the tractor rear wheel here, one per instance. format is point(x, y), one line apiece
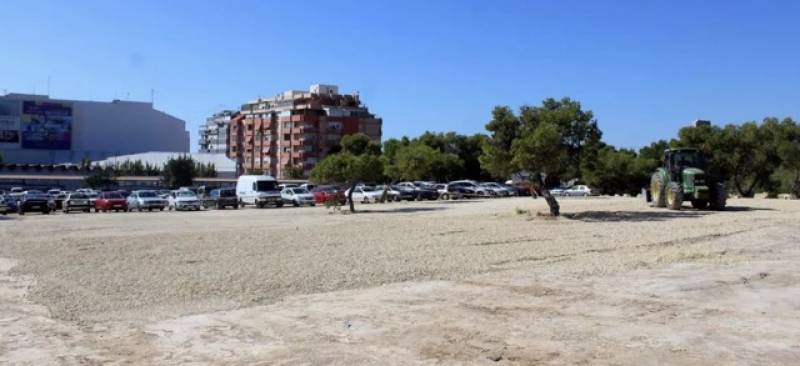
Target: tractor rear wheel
point(657, 191)
point(674, 196)
point(719, 197)
point(700, 204)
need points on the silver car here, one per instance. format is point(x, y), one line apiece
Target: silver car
point(145, 200)
point(77, 202)
point(183, 199)
point(297, 196)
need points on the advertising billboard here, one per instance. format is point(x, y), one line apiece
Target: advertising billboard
point(9, 131)
point(46, 125)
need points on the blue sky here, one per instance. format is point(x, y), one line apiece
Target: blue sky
point(645, 68)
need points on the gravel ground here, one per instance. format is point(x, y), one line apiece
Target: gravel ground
point(97, 270)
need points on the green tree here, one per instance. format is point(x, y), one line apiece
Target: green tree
point(540, 150)
point(419, 161)
point(618, 171)
point(102, 179)
point(179, 172)
point(294, 171)
point(358, 161)
point(504, 129)
point(580, 134)
point(788, 146)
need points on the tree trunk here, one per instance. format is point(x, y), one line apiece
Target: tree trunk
point(350, 197)
point(796, 186)
point(551, 201)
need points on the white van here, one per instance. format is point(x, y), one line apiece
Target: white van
point(259, 190)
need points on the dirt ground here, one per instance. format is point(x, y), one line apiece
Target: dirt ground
point(458, 282)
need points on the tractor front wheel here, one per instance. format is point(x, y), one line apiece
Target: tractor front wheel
point(674, 196)
point(657, 191)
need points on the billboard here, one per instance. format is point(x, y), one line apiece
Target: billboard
point(46, 125)
point(9, 131)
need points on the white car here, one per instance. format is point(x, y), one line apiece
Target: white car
point(559, 191)
point(580, 190)
point(297, 196)
point(365, 194)
point(183, 199)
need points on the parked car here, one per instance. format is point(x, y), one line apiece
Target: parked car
point(308, 186)
point(145, 200)
point(579, 190)
point(221, 198)
point(258, 190)
point(283, 186)
point(108, 201)
point(183, 200)
point(477, 190)
point(32, 201)
point(4, 206)
point(558, 191)
point(441, 189)
point(324, 194)
point(496, 189)
point(163, 193)
point(364, 194)
point(9, 202)
point(297, 196)
point(403, 192)
point(76, 202)
point(93, 197)
point(15, 193)
point(422, 190)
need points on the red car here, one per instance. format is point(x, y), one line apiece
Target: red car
point(108, 201)
point(323, 194)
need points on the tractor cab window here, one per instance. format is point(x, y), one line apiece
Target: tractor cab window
point(688, 158)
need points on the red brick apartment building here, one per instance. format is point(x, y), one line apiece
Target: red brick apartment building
point(296, 128)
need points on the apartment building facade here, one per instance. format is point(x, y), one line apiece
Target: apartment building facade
point(297, 129)
point(214, 134)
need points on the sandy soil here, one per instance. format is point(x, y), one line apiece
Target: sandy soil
point(459, 282)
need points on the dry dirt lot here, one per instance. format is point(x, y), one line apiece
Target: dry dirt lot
point(458, 282)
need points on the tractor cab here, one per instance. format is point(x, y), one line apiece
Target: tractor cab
point(676, 161)
point(683, 177)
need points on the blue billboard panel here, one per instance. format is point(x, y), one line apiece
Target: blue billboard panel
point(46, 125)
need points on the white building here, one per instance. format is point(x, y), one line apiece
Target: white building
point(214, 134)
point(226, 168)
point(37, 129)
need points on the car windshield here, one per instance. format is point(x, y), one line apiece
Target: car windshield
point(113, 196)
point(184, 194)
point(265, 185)
point(367, 189)
point(227, 193)
point(34, 192)
point(147, 194)
point(299, 191)
point(77, 196)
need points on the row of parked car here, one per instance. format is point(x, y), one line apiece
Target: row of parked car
point(21, 201)
point(256, 190)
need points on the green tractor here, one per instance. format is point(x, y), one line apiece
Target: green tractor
point(682, 178)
